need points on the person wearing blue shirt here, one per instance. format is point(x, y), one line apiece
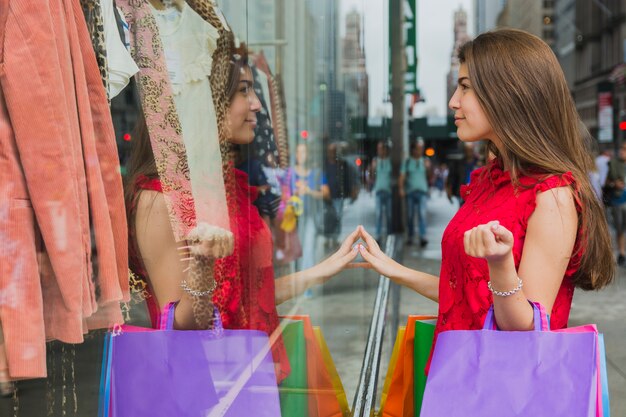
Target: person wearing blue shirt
point(381, 171)
point(413, 185)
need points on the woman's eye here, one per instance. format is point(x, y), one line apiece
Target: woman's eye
point(245, 90)
point(464, 87)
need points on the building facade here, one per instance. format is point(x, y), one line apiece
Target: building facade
point(565, 34)
point(599, 88)
point(353, 71)
point(533, 16)
point(486, 14)
point(460, 37)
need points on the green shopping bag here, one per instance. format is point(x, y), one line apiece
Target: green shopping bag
point(294, 399)
point(424, 333)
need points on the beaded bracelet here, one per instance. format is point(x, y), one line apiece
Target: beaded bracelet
point(506, 293)
point(197, 293)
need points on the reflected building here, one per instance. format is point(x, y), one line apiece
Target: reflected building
point(565, 33)
point(533, 16)
point(285, 30)
point(486, 14)
point(460, 37)
point(353, 71)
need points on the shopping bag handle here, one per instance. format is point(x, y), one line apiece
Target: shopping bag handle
point(166, 321)
point(539, 313)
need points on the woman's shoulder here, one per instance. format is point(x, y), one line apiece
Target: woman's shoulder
point(151, 208)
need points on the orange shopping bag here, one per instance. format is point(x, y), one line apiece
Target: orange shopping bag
point(392, 365)
point(399, 401)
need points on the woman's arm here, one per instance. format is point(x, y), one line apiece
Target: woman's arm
point(162, 258)
point(548, 247)
point(295, 284)
point(425, 284)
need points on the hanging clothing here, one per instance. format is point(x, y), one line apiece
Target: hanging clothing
point(263, 146)
point(121, 66)
point(277, 110)
point(59, 183)
point(95, 24)
point(160, 114)
point(188, 44)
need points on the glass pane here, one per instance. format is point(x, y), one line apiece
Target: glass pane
point(179, 180)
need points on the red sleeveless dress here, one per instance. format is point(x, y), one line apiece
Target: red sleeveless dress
point(464, 297)
point(246, 300)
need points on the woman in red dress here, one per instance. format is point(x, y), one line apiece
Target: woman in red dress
point(531, 227)
point(246, 292)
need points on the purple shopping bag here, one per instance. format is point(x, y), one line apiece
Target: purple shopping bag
point(504, 373)
point(188, 373)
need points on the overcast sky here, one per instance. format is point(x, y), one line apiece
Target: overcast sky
point(435, 41)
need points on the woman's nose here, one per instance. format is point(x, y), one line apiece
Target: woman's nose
point(255, 103)
point(453, 104)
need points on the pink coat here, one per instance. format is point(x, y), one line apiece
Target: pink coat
point(59, 184)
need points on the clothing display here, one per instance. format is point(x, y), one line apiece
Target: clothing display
point(188, 44)
point(277, 107)
point(464, 298)
point(60, 186)
point(264, 146)
point(121, 66)
point(160, 114)
point(94, 18)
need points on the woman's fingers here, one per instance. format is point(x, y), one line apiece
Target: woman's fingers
point(369, 240)
point(487, 240)
point(348, 242)
point(371, 259)
point(362, 265)
point(350, 256)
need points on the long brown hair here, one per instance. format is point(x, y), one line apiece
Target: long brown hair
point(522, 90)
point(141, 162)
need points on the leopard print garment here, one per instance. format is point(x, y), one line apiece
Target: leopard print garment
point(201, 278)
point(280, 120)
point(162, 120)
point(219, 80)
point(95, 24)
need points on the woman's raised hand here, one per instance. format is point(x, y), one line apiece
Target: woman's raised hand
point(375, 258)
point(342, 258)
point(490, 241)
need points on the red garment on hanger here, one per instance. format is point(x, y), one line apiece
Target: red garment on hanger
point(60, 185)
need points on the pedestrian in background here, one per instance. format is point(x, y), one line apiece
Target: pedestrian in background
point(311, 186)
point(460, 171)
point(413, 184)
point(602, 167)
point(532, 228)
point(381, 178)
point(617, 193)
point(342, 184)
point(440, 177)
